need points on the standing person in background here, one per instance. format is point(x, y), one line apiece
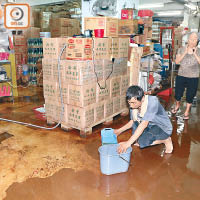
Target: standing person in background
point(188, 74)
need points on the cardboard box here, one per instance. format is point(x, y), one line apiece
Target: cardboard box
point(108, 108)
point(52, 48)
point(123, 47)
point(79, 49)
point(47, 68)
point(18, 59)
point(124, 85)
point(109, 24)
point(19, 40)
point(82, 95)
point(64, 90)
point(79, 72)
point(102, 48)
point(60, 22)
point(50, 90)
point(116, 105)
point(114, 47)
point(32, 32)
point(99, 112)
point(123, 103)
point(44, 21)
point(80, 117)
point(115, 87)
point(127, 14)
point(108, 68)
point(120, 66)
point(20, 49)
point(62, 66)
point(53, 110)
point(128, 26)
point(103, 93)
point(99, 69)
point(60, 31)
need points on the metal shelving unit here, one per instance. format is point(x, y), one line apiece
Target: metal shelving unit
point(7, 62)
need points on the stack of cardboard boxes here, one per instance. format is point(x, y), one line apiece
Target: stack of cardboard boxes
point(94, 79)
point(61, 27)
point(20, 47)
point(177, 40)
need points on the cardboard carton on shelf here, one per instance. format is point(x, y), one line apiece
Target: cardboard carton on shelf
point(103, 93)
point(82, 95)
point(115, 86)
point(47, 69)
point(120, 66)
point(128, 26)
point(60, 31)
point(109, 24)
point(20, 49)
point(20, 40)
point(79, 49)
point(52, 48)
point(60, 22)
point(99, 111)
point(44, 21)
point(79, 72)
point(80, 117)
point(32, 32)
point(108, 108)
point(116, 104)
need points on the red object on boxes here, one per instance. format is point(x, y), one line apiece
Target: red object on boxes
point(145, 13)
point(127, 14)
point(99, 33)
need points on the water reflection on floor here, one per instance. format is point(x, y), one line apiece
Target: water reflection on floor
point(153, 176)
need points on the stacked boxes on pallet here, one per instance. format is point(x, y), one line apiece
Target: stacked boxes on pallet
point(93, 83)
point(64, 27)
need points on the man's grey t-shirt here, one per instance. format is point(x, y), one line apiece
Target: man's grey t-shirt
point(156, 115)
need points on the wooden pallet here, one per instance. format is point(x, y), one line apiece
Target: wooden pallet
point(88, 130)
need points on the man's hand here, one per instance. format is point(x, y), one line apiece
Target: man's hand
point(117, 132)
point(123, 146)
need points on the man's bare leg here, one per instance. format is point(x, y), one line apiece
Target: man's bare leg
point(168, 144)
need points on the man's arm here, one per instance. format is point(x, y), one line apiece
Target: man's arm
point(124, 128)
point(124, 145)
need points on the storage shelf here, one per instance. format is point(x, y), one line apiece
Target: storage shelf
point(4, 81)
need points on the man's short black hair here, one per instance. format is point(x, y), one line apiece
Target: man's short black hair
point(134, 91)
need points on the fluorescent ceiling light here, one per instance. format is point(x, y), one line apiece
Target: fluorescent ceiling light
point(155, 5)
point(171, 13)
point(191, 6)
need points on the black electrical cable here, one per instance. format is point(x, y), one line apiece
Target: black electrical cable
point(113, 60)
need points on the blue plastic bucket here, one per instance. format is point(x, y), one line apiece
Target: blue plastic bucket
point(108, 136)
point(111, 162)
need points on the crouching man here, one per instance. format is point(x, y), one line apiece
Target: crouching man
point(149, 122)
